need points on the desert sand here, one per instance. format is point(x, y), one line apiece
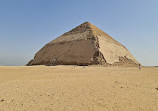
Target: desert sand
point(69, 88)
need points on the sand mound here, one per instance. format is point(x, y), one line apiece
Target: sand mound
point(84, 45)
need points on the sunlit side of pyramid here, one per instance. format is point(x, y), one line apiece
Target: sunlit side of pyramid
point(84, 45)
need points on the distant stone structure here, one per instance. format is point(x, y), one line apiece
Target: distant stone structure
point(84, 45)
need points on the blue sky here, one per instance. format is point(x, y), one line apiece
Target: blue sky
point(27, 25)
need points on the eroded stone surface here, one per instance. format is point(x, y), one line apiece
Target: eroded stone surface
point(84, 45)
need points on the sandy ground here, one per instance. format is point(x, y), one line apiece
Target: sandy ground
point(65, 88)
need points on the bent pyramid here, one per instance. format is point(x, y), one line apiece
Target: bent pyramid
point(84, 45)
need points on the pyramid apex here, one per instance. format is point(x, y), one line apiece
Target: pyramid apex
point(87, 24)
point(81, 28)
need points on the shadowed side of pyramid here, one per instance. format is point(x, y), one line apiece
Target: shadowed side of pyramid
point(84, 45)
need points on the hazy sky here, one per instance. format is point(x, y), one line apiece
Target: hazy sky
point(27, 25)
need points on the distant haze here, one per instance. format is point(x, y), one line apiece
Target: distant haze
point(27, 25)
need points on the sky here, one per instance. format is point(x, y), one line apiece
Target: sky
point(27, 25)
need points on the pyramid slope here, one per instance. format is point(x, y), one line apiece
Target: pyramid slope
point(83, 31)
point(84, 45)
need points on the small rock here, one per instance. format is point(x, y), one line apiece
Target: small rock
point(2, 100)
point(156, 88)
